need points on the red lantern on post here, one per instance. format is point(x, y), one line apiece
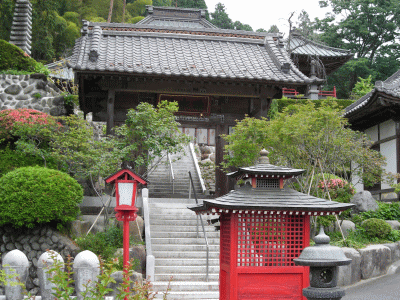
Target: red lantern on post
point(126, 183)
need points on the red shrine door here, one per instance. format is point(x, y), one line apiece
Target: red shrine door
point(257, 252)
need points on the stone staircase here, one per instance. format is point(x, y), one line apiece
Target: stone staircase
point(160, 178)
point(180, 257)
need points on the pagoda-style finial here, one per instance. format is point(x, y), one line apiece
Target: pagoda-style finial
point(322, 238)
point(263, 159)
point(22, 26)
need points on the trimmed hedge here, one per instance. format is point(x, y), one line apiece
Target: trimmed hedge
point(13, 58)
point(280, 104)
point(35, 195)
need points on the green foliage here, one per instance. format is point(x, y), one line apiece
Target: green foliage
point(73, 17)
point(13, 58)
point(302, 135)
point(362, 87)
point(279, 105)
point(35, 195)
point(6, 16)
point(386, 211)
point(147, 132)
point(220, 17)
point(71, 100)
point(104, 244)
point(191, 3)
point(138, 8)
point(134, 20)
point(11, 160)
point(376, 228)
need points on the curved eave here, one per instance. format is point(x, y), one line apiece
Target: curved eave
point(270, 200)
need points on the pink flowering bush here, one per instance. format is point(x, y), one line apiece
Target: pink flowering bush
point(12, 120)
point(340, 190)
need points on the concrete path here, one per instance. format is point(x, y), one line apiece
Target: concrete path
point(382, 288)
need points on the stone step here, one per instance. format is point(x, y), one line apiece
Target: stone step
point(184, 286)
point(186, 277)
point(172, 222)
point(185, 262)
point(172, 200)
point(189, 295)
point(184, 235)
point(186, 254)
point(185, 269)
point(182, 241)
point(161, 228)
point(181, 248)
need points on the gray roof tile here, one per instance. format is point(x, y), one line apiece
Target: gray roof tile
point(194, 55)
point(390, 86)
point(247, 198)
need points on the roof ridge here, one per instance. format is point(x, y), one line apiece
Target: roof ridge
point(320, 44)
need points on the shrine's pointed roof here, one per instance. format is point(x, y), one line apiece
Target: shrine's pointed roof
point(168, 49)
point(264, 168)
point(266, 198)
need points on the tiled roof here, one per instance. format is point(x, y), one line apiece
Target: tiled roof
point(302, 46)
point(390, 86)
point(176, 17)
point(208, 53)
point(59, 69)
point(267, 170)
point(247, 198)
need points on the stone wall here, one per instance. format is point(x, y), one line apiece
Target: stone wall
point(33, 242)
point(31, 91)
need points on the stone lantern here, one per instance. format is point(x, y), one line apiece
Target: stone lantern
point(264, 227)
point(323, 260)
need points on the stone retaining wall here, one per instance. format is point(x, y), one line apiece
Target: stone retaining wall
point(31, 91)
point(372, 261)
point(33, 242)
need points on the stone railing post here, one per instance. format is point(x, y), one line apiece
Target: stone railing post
point(86, 269)
point(45, 263)
point(15, 264)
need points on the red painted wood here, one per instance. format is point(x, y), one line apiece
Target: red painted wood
point(257, 260)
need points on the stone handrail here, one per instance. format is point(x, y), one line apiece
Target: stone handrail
point(196, 164)
point(150, 260)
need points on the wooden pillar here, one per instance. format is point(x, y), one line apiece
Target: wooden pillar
point(221, 180)
point(110, 111)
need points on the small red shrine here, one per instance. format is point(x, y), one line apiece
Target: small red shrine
point(264, 226)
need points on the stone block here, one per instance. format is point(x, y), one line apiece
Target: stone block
point(346, 225)
point(136, 228)
point(375, 261)
point(394, 224)
point(394, 250)
point(351, 273)
point(80, 228)
point(13, 89)
point(119, 278)
point(364, 202)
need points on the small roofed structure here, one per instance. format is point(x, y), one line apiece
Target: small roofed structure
point(21, 28)
point(303, 50)
point(264, 190)
point(264, 227)
point(377, 114)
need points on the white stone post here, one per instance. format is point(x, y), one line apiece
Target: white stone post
point(86, 269)
point(46, 260)
point(15, 264)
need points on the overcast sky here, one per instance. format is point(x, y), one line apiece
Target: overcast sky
point(264, 13)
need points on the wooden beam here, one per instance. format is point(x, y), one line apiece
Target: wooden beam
point(110, 111)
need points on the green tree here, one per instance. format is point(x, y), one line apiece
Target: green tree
point(190, 3)
point(303, 136)
point(138, 8)
point(220, 17)
point(162, 2)
point(362, 87)
point(363, 26)
point(6, 17)
point(273, 29)
point(148, 132)
point(239, 26)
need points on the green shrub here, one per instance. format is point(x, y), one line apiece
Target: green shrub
point(11, 160)
point(13, 58)
point(376, 228)
point(386, 211)
point(34, 195)
point(103, 244)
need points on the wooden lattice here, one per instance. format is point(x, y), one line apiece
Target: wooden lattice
point(269, 240)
